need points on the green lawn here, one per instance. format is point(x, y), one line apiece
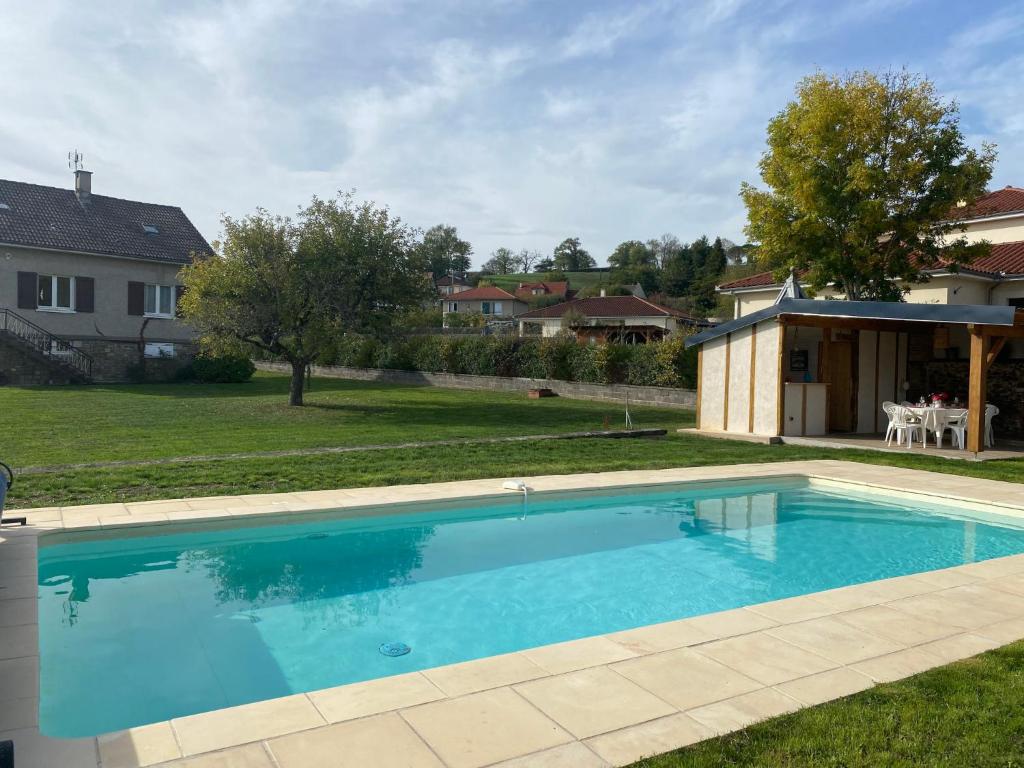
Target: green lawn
point(968, 714)
point(206, 431)
point(48, 426)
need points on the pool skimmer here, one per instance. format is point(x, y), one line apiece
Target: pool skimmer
point(394, 649)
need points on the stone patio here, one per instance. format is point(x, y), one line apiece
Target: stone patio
point(599, 701)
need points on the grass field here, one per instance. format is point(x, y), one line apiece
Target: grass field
point(48, 426)
point(968, 714)
point(577, 280)
point(82, 424)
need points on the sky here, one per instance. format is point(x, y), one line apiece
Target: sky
point(521, 122)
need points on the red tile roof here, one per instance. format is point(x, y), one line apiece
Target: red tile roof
point(1006, 200)
point(558, 288)
point(606, 306)
point(481, 293)
point(1003, 259)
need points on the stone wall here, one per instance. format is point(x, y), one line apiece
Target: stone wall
point(113, 360)
point(112, 363)
point(20, 367)
point(660, 396)
point(1005, 388)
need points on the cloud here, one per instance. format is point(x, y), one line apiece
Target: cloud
point(521, 122)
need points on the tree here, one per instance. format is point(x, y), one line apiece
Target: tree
point(664, 248)
point(677, 272)
point(862, 173)
point(502, 262)
point(526, 259)
point(634, 262)
point(546, 264)
point(444, 251)
point(570, 257)
point(289, 288)
point(709, 262)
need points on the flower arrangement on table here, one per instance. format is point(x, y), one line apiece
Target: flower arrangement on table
point(939, 399)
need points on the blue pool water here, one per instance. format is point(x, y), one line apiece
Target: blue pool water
point(137, 630)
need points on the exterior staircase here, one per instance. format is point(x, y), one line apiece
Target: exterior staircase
point(38, 355)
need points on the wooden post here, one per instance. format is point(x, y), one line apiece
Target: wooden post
point(825, 373)
point(977, 391)
point(780, 394)
point(700, 375)
point(753, 370)
point(725, 409)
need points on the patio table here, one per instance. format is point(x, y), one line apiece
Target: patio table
point(935, 420)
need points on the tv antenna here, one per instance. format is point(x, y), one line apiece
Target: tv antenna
point(75, 160)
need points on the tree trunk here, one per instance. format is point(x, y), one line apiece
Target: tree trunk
point(298, 379)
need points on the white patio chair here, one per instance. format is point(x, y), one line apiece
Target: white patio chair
point(990, 436)
point(887, 407)
point(958, 426)
point(905, 423)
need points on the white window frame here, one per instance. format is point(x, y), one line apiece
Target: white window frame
point(53, 294)
point(157, 288)
point(496, 308)
point(453, 306)
point(162, 350)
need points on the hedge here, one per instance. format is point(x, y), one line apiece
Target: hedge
point(659, 364)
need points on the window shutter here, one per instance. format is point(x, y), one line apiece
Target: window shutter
point(179, 291)
point(136, 298)
point(28, 290)
point(85, 294)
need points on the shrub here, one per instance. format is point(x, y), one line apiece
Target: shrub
point(223, 369)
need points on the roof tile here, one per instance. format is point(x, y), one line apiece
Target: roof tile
point(50, 217)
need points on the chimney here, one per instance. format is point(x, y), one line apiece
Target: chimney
point(83, 184)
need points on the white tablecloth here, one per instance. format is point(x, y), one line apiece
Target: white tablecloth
point(936, 419)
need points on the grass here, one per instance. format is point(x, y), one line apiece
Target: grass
point(577, 280)
point(47, 426)
point(970, 713)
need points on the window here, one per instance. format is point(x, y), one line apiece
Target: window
point(159, 300)
point(1018, 303)
point(55, 293)
point(497, 307)
point(485, 307)
point(151, 229)
point(453, 306)
point(161, 349)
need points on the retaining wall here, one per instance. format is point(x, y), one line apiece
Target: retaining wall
point(668, 397)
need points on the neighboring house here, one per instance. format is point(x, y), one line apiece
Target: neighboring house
point(601, 319)
point(89, 283)
point(998, 278)
point(558, 289)
point(450, 284)
point(487, 300)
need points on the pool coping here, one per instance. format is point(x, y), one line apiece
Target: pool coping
point(604, 700)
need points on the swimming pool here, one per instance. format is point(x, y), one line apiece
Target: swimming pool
point(143, 629)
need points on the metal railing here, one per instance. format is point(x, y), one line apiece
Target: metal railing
point(45, 342)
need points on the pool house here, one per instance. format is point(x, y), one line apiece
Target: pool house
point(823, 369)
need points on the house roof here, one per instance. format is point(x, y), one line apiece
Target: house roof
point(954, 314)
point(1002, 201)
point(1004, 259)
point(606, 306)
point(449, 280)
point(482, 293)
point(49, 217)
point(556, 288)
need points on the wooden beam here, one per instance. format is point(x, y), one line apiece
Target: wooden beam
point(993, 353)
point(996, 331)
point(780, 394)
point(752, 377)
point(853, 323)
point(977, 391)
point(825, 371)
point(700, 377)
point(725, 408)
